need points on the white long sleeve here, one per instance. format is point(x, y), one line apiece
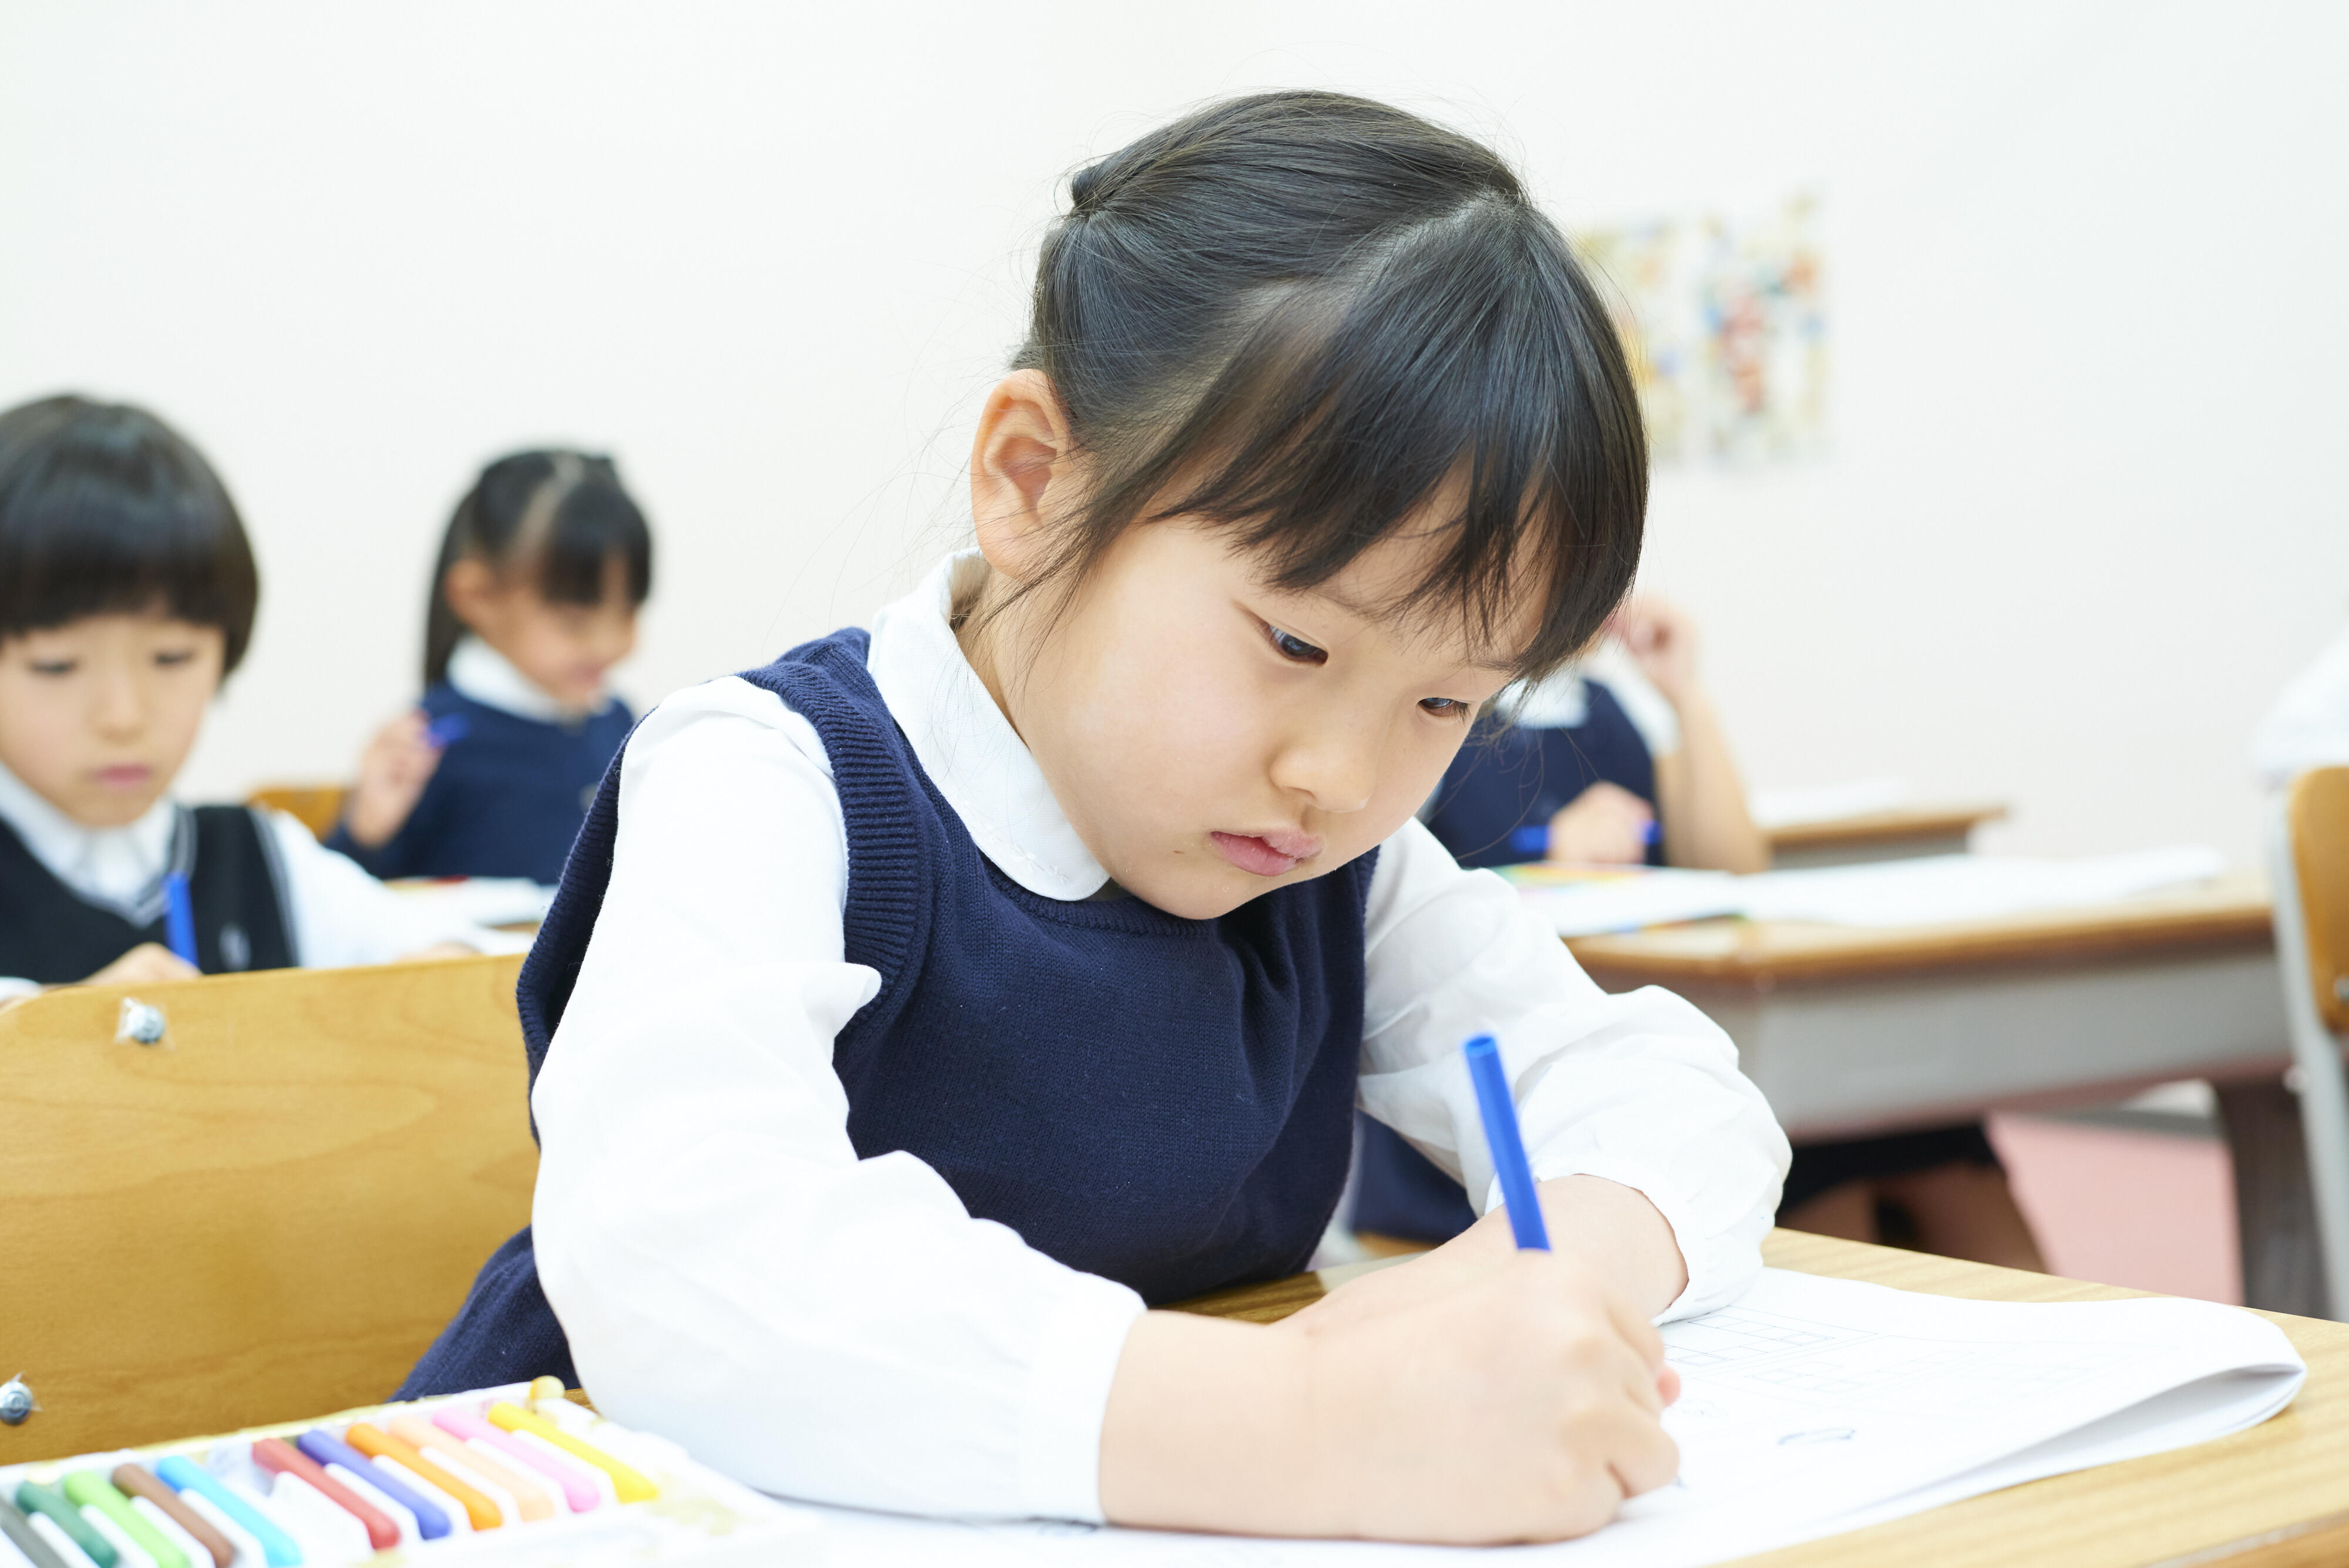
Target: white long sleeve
point(1642, 1088)
point(729, 1273)
point(336, 914)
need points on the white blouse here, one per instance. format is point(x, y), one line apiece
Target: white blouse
point(336, 914)
point(731, 1273)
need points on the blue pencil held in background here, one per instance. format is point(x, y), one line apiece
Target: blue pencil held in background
point(1509, 1146)
point(448, 729)
point(179, 918)
point(1534, 837)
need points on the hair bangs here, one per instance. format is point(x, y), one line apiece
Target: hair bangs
point(594, 526)
point(1442, 392)
point(104, 510)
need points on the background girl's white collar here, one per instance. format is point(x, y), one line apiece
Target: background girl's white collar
point(480, 672)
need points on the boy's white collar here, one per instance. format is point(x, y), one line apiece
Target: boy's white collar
point(967, 745)
point(480, 672)
point(120, 869)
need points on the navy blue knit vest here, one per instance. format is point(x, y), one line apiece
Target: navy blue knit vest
point(1163, 1101)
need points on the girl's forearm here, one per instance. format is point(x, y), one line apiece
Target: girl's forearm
point(1202, 1430)
point(1703, 801)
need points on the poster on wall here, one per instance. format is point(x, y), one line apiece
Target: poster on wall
point(1725, 321)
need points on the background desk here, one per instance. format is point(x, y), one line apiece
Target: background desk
point(1897, 833)
point(1851, 1030)
point(2274, 1497)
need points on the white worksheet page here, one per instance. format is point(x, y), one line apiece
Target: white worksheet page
point(1811, 1405)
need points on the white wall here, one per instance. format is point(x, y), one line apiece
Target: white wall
point(2082, 518)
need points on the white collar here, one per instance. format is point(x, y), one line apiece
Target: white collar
point(967, 745)
point(120, 869)
point(480, 672)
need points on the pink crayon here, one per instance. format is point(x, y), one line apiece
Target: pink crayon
point(467, 1426)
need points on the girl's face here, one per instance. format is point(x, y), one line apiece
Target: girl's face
point(566, 650)
point(1211, 738)
point(98, 715)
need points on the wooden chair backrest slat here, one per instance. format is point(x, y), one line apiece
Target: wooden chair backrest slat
point(266, 1216)
point(2318, 812)
point(318, 808)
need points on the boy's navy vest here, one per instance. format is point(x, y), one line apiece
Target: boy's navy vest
point(51, 934)
point(1163, 1101)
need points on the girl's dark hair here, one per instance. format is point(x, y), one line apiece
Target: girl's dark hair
point(104, 509)
point(563, 512)
point(1309, 318)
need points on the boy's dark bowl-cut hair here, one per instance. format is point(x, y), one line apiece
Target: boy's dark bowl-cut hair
point(1310, 319)
point(564, 513)
point(104, 509)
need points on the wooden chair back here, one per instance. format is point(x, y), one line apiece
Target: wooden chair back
point(2317, 811)
point(318, 808)
point(265, 1216)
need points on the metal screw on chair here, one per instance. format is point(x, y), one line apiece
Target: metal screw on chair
point(2341, 987)
point(140, 1021)
point(17, 1401)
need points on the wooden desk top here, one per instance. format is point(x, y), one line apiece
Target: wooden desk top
point(1883, 827)
point(2230, 912)
point(2274, 1497)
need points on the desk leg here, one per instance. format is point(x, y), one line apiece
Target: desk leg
point(2275, 1213)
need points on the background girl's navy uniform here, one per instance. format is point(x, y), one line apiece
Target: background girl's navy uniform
point(1511, 778)
point(507, 798)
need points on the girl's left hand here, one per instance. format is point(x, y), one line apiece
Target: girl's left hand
point(399, 762)
point(1661, 640)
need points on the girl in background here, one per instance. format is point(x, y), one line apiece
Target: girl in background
point(535, 599)
point(1622, 761)
point(1618, 761)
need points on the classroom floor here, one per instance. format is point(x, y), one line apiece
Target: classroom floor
point(2125, 1206)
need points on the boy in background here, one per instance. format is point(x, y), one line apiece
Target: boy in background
point(127, 595)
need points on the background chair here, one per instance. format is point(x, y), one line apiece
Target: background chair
point(2309, 848)
point(316, 807)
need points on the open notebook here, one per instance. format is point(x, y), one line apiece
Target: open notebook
point(1811, 1406)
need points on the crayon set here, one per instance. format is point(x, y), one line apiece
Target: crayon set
point(498, 1478)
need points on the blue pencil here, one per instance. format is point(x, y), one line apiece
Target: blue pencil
point(178, 917)
point(1508, 1146)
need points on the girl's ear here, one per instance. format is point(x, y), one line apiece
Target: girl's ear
point(471, 589)
point(1021, 468)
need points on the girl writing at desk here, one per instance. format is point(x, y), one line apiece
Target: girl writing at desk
point(920, 1010)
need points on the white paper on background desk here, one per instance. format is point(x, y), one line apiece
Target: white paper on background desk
point(1929, 890)
point(1633, 899)
point(485, 900)
point(1811, 1406)
point(1936, 888)
point(1828, 803)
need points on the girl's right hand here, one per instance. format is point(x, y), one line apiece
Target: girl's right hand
point(1522, 1406)
point(398, 764)
point(144, 965)
point(1606, 824)
point(1515, 1402)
